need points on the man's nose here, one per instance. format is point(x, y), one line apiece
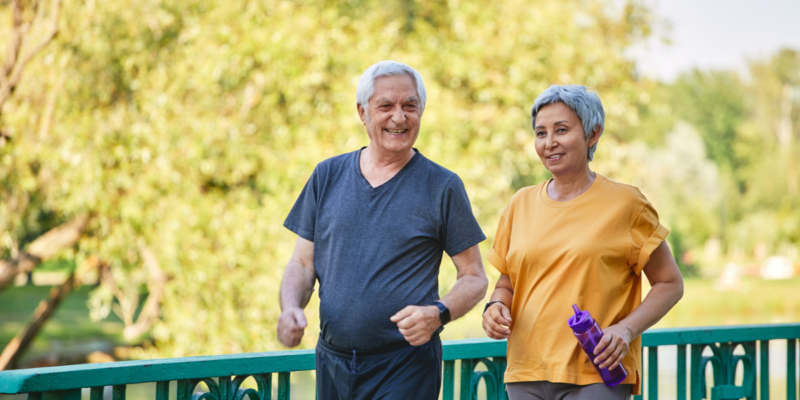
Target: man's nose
point(398, 116)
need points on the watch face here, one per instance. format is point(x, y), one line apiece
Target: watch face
point(444, 312)
point(444, 315)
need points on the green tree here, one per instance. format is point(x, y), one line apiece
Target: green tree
point(769, 143)
point(33, 232)
point(749, 128)
point(187, 129)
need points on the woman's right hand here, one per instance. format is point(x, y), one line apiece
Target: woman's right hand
point(497, 321)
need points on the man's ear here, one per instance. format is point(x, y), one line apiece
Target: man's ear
point(362, 113)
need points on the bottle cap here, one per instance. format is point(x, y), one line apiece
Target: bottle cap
point(581, 321)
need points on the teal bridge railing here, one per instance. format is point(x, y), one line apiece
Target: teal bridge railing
point(699, 350)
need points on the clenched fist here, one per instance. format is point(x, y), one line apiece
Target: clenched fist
point(613, 346)
point(497, 321)
point(417, 323)
point(291, 326)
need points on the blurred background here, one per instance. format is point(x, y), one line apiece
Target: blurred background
point(151, 149)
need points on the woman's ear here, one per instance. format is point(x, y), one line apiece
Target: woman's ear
point(595, 136)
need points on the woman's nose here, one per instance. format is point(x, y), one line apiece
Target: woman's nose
point(550, 142)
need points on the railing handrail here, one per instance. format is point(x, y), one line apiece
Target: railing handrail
point(169, 369)
point(720, 334)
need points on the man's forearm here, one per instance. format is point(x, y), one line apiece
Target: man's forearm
point(466, 293)
point(296, 287)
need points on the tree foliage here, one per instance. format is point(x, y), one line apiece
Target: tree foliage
point(187, 128)
point(750, 128)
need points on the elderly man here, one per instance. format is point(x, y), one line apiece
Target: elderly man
point(372, 225)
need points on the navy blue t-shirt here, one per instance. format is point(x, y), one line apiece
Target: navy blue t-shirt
point(378, 250)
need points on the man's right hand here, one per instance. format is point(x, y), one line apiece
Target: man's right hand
point(497, 321)
point(291, 326)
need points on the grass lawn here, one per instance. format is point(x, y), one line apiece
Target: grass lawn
point(760, 302)
point(69, 329)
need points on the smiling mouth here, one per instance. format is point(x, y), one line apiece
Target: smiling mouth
point(555, 157)
point(395, 132)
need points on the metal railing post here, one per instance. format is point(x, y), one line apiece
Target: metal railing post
point(763, 348)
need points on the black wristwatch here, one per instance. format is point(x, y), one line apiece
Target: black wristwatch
point(444, 313)
point(490, 303)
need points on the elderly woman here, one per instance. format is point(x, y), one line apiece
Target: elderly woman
point(578, 238)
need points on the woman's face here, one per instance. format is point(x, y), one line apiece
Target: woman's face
point(560, 139)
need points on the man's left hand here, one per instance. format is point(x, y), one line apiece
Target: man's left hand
point(417, 323)
point(614, 345)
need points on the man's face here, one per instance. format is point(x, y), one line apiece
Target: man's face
point(393, 118)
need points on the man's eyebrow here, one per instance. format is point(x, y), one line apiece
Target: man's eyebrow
point(384, 100)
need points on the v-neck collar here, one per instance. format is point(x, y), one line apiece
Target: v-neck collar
point(365, 183)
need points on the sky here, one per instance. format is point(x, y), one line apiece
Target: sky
point(717, 34)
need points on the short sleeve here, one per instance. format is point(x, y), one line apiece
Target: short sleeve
point(302, 218)
point(646, 234)
point(459, 228)
point(502, 240)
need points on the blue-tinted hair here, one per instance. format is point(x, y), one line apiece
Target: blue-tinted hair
point(585, 102)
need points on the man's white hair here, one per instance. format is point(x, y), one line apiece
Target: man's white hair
point(366, 85)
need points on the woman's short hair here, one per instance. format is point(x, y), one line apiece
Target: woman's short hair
point(366, 85)
point(585, 102)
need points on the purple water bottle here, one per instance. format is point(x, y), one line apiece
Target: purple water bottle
point(588, 334)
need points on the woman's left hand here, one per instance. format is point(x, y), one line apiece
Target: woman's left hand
point(614, 345)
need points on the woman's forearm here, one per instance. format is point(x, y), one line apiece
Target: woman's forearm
point(504, 295)
point(503, 291)
point(661, 298)
point(666, 289)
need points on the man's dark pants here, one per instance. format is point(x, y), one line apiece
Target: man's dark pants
point(403, 372)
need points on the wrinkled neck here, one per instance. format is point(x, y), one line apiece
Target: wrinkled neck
point(375, 160)
point(566, 186)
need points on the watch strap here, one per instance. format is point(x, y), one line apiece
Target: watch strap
point(444, 312)
point(490, 303)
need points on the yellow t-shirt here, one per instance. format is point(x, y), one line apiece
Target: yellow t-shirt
point(588, 251)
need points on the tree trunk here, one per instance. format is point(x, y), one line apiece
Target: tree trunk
point(17, 347)
point(15, 62)
point(44, 247)
point(156, 283)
